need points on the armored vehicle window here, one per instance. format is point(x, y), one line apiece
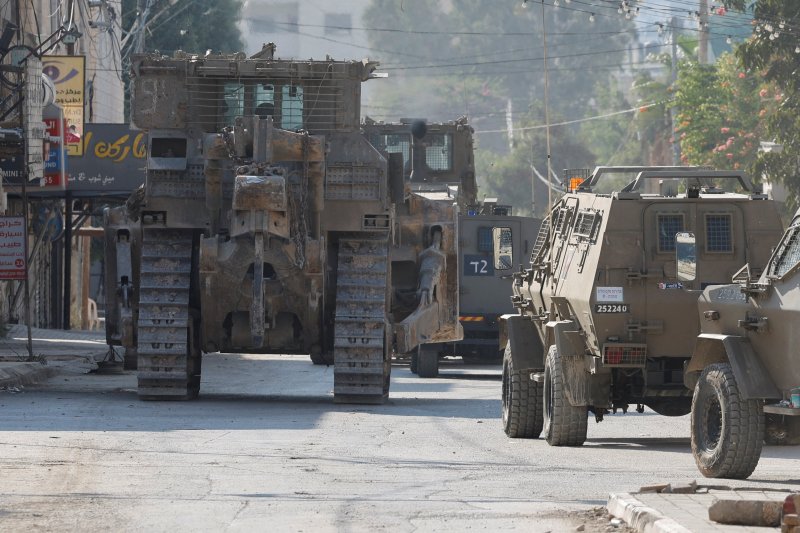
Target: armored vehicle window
point(668, 226)
point(265, 100)
point(393, 143)
point(233, 94)
point(484, 239)
point(292, 107)
point(560, 218)
point(439, 152)
point(167, 147)
point(503, 248)
point(788, 254)
point(718, 233)
point(586, 224)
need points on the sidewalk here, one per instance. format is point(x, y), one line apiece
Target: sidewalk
point(51, 349)
point(651, 512)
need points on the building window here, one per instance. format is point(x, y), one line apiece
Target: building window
point(668, 226)
point(338, 23)
point(718, 234)
point(485, 239)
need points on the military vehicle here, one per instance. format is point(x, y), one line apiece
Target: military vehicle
point(438, 159)
point(268, 223)
point(745, 371)
point(606, 317)
point(485, 271)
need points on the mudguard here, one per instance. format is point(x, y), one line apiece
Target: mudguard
point(572, 347)
point(526, 347)
point(752, 378)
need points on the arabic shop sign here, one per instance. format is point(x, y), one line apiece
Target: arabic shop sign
point(68, 75)
point(114, 160)
point(12, 248)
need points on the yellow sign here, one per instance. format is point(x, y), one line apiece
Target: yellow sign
point(69, 77)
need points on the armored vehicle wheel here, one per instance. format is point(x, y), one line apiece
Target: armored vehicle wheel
point(523, 415)
point(564, 424)
point(427, 361)
point(727, 431)
point(414, 363)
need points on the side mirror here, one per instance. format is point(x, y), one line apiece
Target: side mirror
point(503, 248)
point(686, 256)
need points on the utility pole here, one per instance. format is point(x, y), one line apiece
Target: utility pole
point(702, 48)
point(673, 111)
point(143, 14)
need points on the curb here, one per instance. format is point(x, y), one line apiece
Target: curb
point(20, 374)
point(640, 517)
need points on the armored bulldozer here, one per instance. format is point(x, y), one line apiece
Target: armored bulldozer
point(437, 157)
point(745, 368)
point(438, 162)
point(606, 317)
point(268, 223)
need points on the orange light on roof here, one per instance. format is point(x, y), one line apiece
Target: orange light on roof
point(574, 183)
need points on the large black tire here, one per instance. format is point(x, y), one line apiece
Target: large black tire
point(523, 415)
point(427, 361)
point(727, 431)
point(414, 361)
point(564, 424)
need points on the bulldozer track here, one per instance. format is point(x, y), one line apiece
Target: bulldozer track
point(361, 359)
point(168, 368)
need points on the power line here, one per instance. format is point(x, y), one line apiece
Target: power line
point(577, 121)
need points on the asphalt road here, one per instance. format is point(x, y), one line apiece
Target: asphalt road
point(265, 448)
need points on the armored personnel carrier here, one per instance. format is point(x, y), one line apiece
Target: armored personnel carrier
point(268, 223)
point(606, 316)
point(745, 369)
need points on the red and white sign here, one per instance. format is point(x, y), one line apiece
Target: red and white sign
point(13, 248)
point(55, 162)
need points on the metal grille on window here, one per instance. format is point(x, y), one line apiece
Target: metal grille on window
point(668, 226)
point(315, 105)
point(394, 144)
point(585, 224)
point(485, 239)
point(718, 233)
point(788, 253)
point(438, 151)
point(292, 107)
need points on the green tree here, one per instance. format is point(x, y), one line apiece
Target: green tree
point(771, 54)
point(449, 59)
point(189, 25)
point(723, 112)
